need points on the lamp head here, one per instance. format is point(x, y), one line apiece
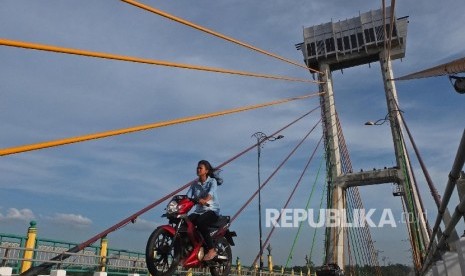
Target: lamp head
point(459, 84)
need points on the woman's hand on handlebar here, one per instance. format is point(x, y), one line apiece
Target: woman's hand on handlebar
point(203, 201)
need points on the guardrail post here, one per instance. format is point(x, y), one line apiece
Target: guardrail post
point(58, 272)
point(238, 266)
point(6, 271)
point(270, 264)
point(451, 263)
point(5, 259)
point(30, 245)
point(103, 253)
point(103, 257)
point(460, 245)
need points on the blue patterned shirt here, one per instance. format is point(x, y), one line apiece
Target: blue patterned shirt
point(201, 190)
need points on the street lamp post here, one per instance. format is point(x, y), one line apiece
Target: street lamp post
point(261, 139)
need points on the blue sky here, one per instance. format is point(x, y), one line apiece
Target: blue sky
point(77, 191)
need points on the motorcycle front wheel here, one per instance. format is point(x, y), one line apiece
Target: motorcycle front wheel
point(223, 260)
point(162, 253)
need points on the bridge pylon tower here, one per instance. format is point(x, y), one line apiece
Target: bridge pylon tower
point(343, 44)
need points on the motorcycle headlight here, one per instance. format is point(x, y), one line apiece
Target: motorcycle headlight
point(172, 207)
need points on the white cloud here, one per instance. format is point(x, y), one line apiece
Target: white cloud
point(17, 214)
point(71, 220)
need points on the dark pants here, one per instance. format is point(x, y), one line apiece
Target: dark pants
point(203, 221)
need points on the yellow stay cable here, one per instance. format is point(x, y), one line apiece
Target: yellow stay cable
point(49, 48)
point(209, 31)
point(60, 142)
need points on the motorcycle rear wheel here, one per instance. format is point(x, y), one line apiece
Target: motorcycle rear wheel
point(162, 253)
point(223, 260)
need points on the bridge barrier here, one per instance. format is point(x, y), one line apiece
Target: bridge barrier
point(15, 251)
point(19, 253)
point(85, 261)
point(451, 262)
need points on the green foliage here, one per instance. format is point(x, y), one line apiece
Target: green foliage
point(389, 270)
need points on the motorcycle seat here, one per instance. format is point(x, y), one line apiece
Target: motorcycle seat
point(222, 221)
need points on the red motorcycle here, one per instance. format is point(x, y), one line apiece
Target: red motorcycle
point(179, 242)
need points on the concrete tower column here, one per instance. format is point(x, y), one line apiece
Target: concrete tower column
point(413, 205)
point(335, 239)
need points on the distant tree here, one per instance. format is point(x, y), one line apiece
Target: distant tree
point(390, 270)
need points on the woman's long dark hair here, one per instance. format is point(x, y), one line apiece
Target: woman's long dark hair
point(212, 172)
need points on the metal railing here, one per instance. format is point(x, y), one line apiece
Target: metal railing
point(117, 262)
point(91, 259)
